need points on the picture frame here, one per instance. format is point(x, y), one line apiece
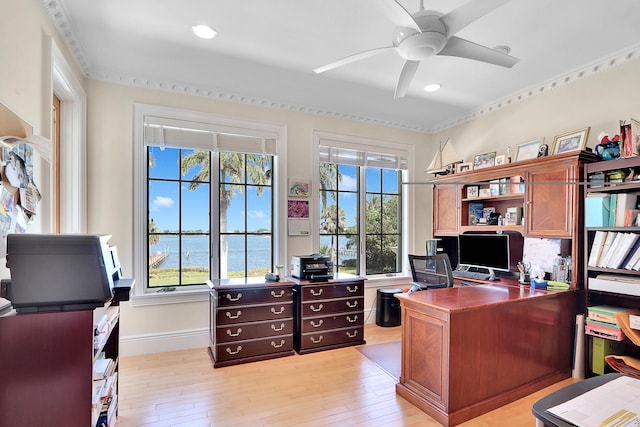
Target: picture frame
point(485, 160)
point(463, 167)
point(529, 150)
point(473, 191)
point(501, 160)
point(571, 141)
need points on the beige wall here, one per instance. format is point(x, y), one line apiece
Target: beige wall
point(597, 101)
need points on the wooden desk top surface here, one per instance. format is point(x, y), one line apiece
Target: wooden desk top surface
point(460, 298)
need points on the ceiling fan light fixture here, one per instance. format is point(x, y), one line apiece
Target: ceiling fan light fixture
point(432, 87)
point(204, 31)
point(422, 45)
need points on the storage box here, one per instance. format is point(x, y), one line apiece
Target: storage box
point(600, 348)
point(596, 210)
point(634, 321)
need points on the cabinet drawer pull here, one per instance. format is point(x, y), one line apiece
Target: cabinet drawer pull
point(355, 334)
point(230, 298)
point(274, 345)
point(320, 322)
point(352, 290)
point(355, 304)
point(316, 293)
point(237, 334)
point(273, 310)
point(355, 319)
point(238, 349)
point(273, 294)
point(316, 340)
point(231, 316)
point(276, 329)
point(316, 309)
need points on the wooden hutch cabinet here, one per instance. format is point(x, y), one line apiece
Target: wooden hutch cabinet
point(548, 190)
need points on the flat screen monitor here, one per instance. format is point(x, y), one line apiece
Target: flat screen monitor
point(489, 251)
point(59, 272)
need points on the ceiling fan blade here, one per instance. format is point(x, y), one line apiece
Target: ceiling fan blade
point(466, 49)
point(351, 58)
point(406, 77)
point(398, 14)
point(459, 18)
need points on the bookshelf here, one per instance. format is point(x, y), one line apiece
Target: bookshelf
point(610, 278)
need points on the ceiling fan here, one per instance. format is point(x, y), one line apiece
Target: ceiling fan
point(428, 33)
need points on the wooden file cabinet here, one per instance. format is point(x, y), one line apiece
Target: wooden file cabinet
point(250, 321)
point(329, 314)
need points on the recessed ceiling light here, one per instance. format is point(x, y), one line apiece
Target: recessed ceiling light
point(432, 87)
point(204, 31)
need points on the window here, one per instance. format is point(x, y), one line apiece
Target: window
point(209, 189)
point(361, 204)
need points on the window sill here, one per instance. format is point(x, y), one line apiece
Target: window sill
point(175, 297)
point(382, 281)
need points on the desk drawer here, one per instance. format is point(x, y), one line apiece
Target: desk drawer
point(245, 296)
point(248, 331)
point(322, 292)
point(320, 308)
point(315, 324)
point(251, 348)
point(243, 314)
point(331, 338)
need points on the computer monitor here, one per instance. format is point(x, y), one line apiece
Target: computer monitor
point(487, 251)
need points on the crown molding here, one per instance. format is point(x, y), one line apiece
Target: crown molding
point(59, 18)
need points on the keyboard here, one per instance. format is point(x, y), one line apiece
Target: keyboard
point(464, 274)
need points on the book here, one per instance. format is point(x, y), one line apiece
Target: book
point(631, 217)
point(633, 257)
point(604, 313)
point(620, 251)
point(611, 250)
point(596, 247)
point(613, 202)
point(600, 348)
point(624, 202)
point(611, 236)
point(602, 331)
point(475, 212)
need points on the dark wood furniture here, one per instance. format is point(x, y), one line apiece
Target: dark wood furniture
point(249, 321)
point(328, 314)
point(565, 394)
point(551, 198)
point(599, 297)
point(46, 368)
point(468, 350)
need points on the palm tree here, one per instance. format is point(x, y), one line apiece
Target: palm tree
point(153, 229)
point(233, 166)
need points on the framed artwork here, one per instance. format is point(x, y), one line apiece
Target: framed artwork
point(485, 160)
point(572, 141)
point(529, 150)
point(472, 191)
point(299, 187)
point(463, 167)
point(501, 160)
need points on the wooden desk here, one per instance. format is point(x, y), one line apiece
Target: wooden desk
point(469, 350)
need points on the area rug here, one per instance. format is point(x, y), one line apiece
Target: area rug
point(386, 355)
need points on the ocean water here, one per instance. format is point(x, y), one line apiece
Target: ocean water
point(258, 256)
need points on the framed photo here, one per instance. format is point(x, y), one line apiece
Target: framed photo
point(463, 167)
point(501, 160)
point(528, 150)
point(485, 160)
point(572, 141)
point(472, 191)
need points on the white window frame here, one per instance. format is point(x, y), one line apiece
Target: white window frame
point(351, 142)
point(141, 295)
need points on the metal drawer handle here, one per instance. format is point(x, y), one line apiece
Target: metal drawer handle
point(355, 319)
point(238, 349)
point(355, 334)
point(316, 309)
point(320, 322)
point(273, 294)
point(355, 289)
point(355, 304)
point(276, 345)
point(316, 293)
point(273, 310)
point(276, 329)
point(230, 298)
point(231, 316)
point(231, 334)
point(316, 341)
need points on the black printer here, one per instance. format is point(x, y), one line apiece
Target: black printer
point(312, 267)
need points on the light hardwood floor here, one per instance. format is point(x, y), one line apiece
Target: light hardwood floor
point(332, 388)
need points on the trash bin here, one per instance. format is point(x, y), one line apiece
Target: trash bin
point(388, 308)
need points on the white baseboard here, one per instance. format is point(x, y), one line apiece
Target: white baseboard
point(181, 340)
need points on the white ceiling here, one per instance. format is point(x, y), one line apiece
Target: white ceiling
point(266, 49)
